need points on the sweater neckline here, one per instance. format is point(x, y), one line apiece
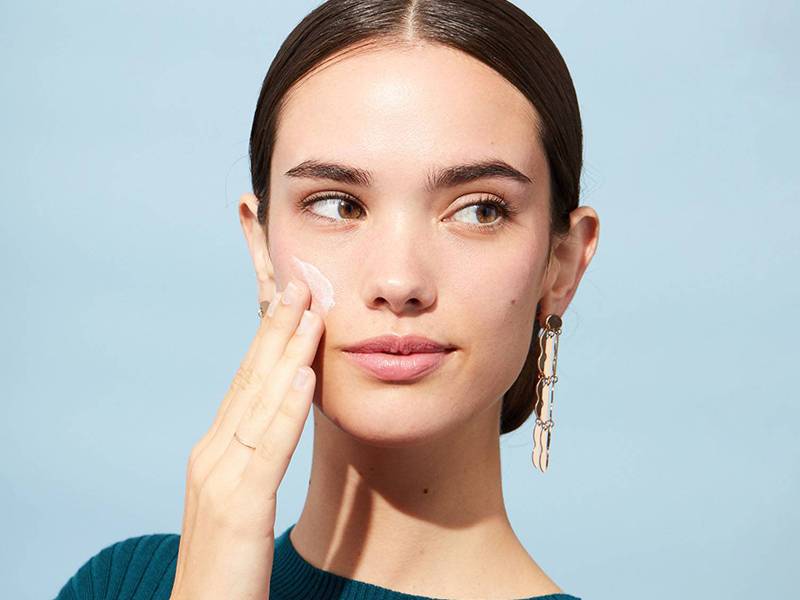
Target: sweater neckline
point(294, 578)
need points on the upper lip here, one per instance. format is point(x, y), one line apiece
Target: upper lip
point(396, 344)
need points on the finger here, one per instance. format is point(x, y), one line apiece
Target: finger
point(299, 352)
point(268, 462)
point(241, 378)
point(244, 374)
point(280, 330)
point(281, 320)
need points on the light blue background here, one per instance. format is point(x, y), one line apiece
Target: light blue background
point(128, 296)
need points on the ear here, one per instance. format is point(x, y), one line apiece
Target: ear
point(568, 261)
point(257, 244)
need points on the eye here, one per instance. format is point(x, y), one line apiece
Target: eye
point(491, 212)
point(487, 209)
point(338, 204)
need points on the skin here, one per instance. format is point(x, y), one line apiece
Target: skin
point(405, 489)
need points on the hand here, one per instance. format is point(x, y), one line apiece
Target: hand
point(228, 534)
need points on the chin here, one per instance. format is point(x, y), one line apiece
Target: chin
point(393, 417)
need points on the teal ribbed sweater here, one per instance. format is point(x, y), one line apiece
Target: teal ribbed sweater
point(143, 568)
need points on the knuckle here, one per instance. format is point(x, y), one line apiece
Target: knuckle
point(193, 455)
point(312, 320)
point(197, 450)
point(224, 519)
point(191, 465)
point(197, 472)
point(246, 378)
point(238, 382)
point(206, 501)
point(289, 410)
point(212, 507)
point(211, 496)
point(283, 324)
point(258, 408)
point(196, 479)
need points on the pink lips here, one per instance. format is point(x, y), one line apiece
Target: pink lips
point(398, 358)
point(398, 367)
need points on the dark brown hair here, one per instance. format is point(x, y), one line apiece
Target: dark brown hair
point(497, 33)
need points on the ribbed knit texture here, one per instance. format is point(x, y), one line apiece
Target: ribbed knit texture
point(138, 568)
point(143, 568)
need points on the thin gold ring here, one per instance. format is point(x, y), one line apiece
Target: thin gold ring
point(238, 439)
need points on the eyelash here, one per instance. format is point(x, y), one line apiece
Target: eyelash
point(505, 209)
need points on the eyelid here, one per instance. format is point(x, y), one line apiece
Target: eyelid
point(308, 200)
point(490, 199)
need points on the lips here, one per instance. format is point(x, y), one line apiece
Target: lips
point(398, 367)
point(395, 344)
point(398, 358)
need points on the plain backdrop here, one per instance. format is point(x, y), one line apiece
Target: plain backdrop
point(128, 297)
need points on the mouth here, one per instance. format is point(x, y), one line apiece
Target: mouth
point(399, 367)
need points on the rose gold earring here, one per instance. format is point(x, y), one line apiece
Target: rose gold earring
point(548, 352)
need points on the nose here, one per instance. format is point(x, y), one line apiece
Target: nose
point(398, 270)
point(401, 295)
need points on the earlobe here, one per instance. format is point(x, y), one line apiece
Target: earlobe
point(257, 245)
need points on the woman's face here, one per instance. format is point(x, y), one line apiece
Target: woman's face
point(405, 252)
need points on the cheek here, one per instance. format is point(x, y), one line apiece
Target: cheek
point(289, 261)
point(499, 312)
point(321, 287)
point(500, 290)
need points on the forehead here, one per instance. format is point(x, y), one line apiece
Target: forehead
point(408, 107)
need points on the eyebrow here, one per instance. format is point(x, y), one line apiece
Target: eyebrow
point(437, 179)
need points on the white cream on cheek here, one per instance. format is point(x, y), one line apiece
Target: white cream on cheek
point(321, 288)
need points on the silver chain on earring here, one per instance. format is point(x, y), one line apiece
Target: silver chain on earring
point(546, 364)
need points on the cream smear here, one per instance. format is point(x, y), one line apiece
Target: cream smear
point(321, 288)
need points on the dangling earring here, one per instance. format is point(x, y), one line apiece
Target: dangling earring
point(548, 352)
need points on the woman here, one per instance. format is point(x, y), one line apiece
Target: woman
point(415, 169)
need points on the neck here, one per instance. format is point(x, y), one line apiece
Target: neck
point(425, 517)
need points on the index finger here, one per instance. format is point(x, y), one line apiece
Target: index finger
point(244, 373)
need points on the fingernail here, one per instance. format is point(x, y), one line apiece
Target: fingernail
point(273, 304)
point(300, 378)
point(289, 295)
point(305, 322)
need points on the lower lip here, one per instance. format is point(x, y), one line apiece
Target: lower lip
point(398, 367)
